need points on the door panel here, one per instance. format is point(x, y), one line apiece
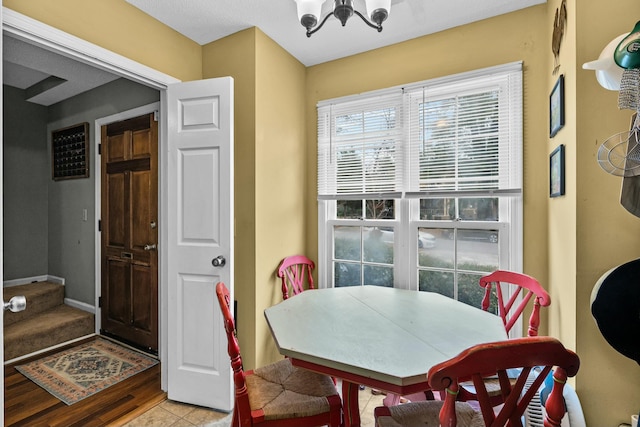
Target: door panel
point(129, 231)
point(116, 299)
point(115, 233)
point(141, 232)
point(200, 228)
point(142, 305)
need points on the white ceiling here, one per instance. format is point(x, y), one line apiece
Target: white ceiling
point(203, 21)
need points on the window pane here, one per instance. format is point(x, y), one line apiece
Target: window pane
point(347, 243)
point(481, 209)
point(477, 249)
point(468, 209)
point(436, 281)
point(441, 254)
point(349, 209)
point(347, 274)
point(378, 245)
point(378, 275)
point(469, 290)
point(438, 209)
point(426, 240)
point(380, 209)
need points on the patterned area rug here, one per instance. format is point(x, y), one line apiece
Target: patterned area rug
point(79, 372)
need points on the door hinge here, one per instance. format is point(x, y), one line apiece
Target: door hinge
point(99, 149)
point(155, 116)
point(99, 302)
point(99, 225)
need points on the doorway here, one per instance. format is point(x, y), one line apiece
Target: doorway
point(129, 226)
point(203, 363)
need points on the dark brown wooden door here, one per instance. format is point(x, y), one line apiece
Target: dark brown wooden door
point(129, 223)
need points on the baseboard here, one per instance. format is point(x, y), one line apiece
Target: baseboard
point(26, 280)
point(80, 305)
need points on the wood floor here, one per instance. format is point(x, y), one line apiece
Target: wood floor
point(27, 404)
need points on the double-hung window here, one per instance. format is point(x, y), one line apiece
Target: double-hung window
point(420, 186)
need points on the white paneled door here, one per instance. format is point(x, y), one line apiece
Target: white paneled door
point(200, 239)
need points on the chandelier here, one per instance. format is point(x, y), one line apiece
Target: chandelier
point(309, 13)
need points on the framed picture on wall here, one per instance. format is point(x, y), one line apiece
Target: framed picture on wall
point(556, 172)
point(556, 107)
point(70, 152)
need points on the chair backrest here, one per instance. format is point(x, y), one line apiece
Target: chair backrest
point(526, 286)
point(482, 360)
point(241, 408)
point(295, 271)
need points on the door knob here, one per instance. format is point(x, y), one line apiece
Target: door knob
point(150, 247)
point(219, 261)
point(15, 304)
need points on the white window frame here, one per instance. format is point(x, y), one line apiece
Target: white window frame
point(407, 206)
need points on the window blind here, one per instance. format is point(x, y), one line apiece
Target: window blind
point(360, 147)
point(459, 135)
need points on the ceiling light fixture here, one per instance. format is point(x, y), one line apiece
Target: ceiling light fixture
point(309, 12)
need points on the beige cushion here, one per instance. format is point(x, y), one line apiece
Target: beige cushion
point(426, 414)
point(283, 391)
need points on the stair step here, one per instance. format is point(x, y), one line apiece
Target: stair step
point(41, 296)
point(47, 328)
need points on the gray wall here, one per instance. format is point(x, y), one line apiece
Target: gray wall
point(69, 240)
point(27, 172)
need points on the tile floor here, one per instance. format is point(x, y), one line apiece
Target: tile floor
point(174, 414)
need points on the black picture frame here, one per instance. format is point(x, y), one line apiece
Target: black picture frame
point(556, 172)
point(556, 107)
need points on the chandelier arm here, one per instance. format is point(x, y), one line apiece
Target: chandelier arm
point(366, 21)
point(310, 32)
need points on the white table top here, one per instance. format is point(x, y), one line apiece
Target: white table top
point(390, 335)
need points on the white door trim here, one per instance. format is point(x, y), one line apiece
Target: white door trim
point(50, 38)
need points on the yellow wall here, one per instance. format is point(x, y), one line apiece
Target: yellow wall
point(561, 211)
point(121, 28)
point(236, 56)
point(606, 234)
point(280, 172)
point(270, 174)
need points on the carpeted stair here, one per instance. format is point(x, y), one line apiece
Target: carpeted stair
point(46, 321)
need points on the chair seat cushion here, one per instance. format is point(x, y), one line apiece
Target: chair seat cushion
point(282, 390)
point(426, 414)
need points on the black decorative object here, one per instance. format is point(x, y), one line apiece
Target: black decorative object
point(70, 152)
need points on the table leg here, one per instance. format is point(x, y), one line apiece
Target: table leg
point(350, 407)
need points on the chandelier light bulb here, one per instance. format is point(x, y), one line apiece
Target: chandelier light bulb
point(309, 12)
point(378, 11)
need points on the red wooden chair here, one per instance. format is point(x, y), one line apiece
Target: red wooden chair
point(476, 362)
point(528, 288)
point(277, 395)
point(295, 271)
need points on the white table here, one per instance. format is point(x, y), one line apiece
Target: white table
point(384, 338)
